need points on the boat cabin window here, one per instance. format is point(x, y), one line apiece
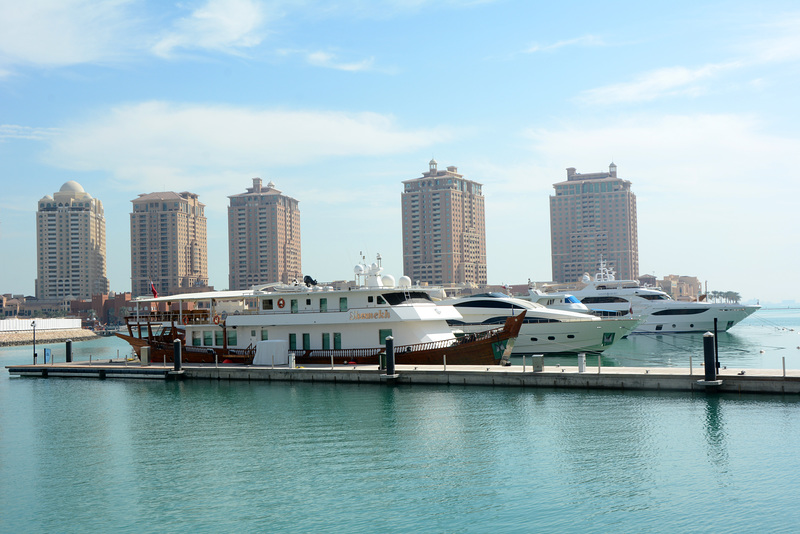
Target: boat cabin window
point(292, 341)
point(381, 300)
point(489, 303)
point(266, 304)
point(306, 341)
point(655, 297)
point(232, 337)
point(370, 298)
point(342, 304)
point(337, 340)
point(400, 297)
point(196, 338)
point(264, 335)
point(602, 300)
point(323, 304)
point(218, 337)
point(572, 300)
point(326, 341)
point(294, 305)
point(308, 302)
point(208, 340)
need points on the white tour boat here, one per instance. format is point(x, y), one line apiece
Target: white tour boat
point(604, 294)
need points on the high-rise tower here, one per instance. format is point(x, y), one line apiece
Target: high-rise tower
point(263, 237)
point(444, 233)
point(71, 245)
point(168, 243)
point(593, 217)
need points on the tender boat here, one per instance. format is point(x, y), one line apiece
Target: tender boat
point(321, 324)
point(544, 330)
point(604, 294)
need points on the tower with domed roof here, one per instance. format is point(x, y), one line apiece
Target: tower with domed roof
point(71, 245)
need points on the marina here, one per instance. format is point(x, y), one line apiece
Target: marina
point(223, 452)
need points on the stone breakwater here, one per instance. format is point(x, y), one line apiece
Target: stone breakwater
point(8, 339)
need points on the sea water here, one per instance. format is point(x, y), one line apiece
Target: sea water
point(80, 455)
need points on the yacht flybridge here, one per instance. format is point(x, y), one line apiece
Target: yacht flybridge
point(544, 330)
point(319, 324)
point(660, 312)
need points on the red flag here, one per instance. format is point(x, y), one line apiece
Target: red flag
point(153, 289)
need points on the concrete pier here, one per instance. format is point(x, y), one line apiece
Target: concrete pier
point(767, 381)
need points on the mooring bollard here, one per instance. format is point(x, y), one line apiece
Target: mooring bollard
point(390, 356)
point(69, 351)
point(691, 370)
point(331, 361)
point(523, 363)
point(144, 356)
point(176, 354)
point(444, 360)
point(709, 357)
point(581, 362)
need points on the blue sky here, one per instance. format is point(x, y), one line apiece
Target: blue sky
point(338, 102)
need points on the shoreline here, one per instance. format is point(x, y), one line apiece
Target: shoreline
point(44, 337)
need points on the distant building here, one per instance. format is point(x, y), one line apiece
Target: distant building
point(444, 233)
point(168, 243)
point(593, 217)
point(681, 287)
point(263, 237)
point(71, 245)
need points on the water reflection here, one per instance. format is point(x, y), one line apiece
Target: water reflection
point(715, 434)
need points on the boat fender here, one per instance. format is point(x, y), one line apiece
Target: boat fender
point(281, 303)
point(216, 319)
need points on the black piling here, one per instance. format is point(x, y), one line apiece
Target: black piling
point(390, 355)
point(176, 354)
point(709, 357)
point(69, 351)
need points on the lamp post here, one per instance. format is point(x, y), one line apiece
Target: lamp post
point(33, 324)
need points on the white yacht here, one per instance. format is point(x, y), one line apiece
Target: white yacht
point(606, 295)
point(544, 330)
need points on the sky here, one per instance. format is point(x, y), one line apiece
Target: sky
point(338, 102)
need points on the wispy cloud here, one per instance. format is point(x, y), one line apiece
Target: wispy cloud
point(330, 61)
point(586, 40)
point(659, 83)
point(64, 32)
point(13, 131)
point(157, 142)
point(221, 25)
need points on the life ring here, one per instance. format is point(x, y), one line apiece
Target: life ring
point(216, 319)
point(281, 303)
point(185, 320)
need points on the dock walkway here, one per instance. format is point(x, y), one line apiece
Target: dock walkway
point(768, 381)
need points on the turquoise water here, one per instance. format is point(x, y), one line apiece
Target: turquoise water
point(133, 456)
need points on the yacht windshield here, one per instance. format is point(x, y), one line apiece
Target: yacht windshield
point(655, 297)
point(400, 297)
point(569, 299)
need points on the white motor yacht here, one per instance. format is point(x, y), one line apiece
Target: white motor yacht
point(544, 330)
point(606, 295)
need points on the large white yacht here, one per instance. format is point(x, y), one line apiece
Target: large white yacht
point(544, 330)
point(604, 294)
